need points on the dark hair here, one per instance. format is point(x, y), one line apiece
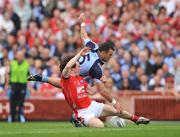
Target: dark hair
point(106, 46)
point(64, 61)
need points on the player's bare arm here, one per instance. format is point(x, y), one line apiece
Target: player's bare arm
point(84, 36)
point(91, 90)
point(72, 62)
point(51, 80)
point(82, 19)
point(104, 92)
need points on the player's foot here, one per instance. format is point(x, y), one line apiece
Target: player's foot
point(75, 122)
point(142, 120)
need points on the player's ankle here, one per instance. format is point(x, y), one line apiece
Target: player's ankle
point(134, 118)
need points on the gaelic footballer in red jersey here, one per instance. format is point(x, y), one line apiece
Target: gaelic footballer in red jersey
point(75, 91)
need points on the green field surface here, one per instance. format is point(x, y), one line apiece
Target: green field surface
point(65, 129)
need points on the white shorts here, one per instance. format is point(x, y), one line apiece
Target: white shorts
point(94, 110)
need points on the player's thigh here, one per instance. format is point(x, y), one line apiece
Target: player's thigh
point(109, 110)
point(95, 122)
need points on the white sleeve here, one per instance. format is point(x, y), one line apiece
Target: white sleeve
point(89, 43)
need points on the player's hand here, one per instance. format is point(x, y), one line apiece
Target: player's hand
point(104, 79)
point(36, 77)
point(84, 51)
point(118, 107)
point(82, 17)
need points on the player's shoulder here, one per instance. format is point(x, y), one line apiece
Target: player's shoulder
point(66, 78)
point(94, 53)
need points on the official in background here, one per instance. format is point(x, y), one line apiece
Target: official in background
point(19, 70)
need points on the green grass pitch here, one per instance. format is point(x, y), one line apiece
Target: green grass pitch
point(65, 129)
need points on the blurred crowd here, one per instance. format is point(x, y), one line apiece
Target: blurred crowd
point(146, 34)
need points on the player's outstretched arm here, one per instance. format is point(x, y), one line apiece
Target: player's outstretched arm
point(82, 19)
point(51, 80)
point(84, 36)
point(72, 62)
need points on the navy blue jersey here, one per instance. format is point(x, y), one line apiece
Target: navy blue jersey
point(90, 64)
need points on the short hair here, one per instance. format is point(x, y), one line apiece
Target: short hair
point(106, 46)
point(64, 62)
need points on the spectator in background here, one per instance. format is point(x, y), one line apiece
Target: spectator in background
point(4, 69)
point(125, 84)
point(115, 72)
point(24, 11)
point(168, 59)
point(170, 89)
point(166, 72)
point(127, 61)
point(145, 42)
point(37, 11)
point(48, 6)
point(144, 83)
point(169, 5)
point(151, 65)
point(35, 67)
point(44, 32)
point(133, 79)
point(60, 48)
point(19, 70)
point(12, 51)
point(32, 35)
point(139, 72)
point(159, 78)
point(143, 57)
point(6, 23)
point(156, 85)
point(109, 82)
point(177, 75)
point(135, 53)
point(34, 53)
point(125, 80)
point(14, 17)
point(158, 44)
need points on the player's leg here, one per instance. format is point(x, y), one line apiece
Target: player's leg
point(109, 110)
point(75, 121)
point(89, 116)
point(95, 122)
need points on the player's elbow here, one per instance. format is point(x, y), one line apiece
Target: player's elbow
point(84, 36)
point(67, 68)
point(102, 92)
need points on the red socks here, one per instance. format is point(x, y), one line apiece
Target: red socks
point(134, 118)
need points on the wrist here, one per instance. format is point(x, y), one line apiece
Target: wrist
point(83, 24)
point(44, 79)
point(113, 102)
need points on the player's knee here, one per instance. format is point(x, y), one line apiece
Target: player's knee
point(95, 123)
point(100, 125)
point(121, 111)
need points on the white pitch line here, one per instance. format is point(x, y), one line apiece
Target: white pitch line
point(79, 131)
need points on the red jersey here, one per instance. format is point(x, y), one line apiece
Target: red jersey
point(74, 90)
